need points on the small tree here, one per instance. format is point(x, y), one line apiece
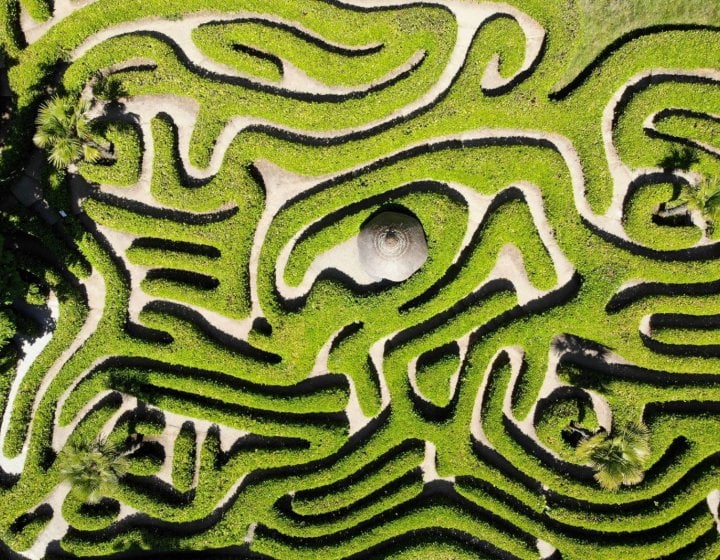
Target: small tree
point(65, 131)
point(93, 468)
point(619, 457)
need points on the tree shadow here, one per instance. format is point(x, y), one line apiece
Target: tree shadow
point(109, 88)
point(679, 157)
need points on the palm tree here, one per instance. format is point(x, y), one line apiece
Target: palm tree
point(93, 468)
point(703, 197)
point(65, 131)
point(618, 458)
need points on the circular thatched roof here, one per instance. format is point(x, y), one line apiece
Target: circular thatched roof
point(392, 246)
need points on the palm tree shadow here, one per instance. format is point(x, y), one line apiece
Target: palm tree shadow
point(584, 363)
point(679, 157)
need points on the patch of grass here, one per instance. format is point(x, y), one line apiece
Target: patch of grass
point(604, 21)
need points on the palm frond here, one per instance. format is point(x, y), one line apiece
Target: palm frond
point(608, 480)
point(90, 153)
point(64, 151)
point(635, 434)
point(587, 448)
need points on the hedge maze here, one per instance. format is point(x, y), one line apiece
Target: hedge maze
point(350, 273)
